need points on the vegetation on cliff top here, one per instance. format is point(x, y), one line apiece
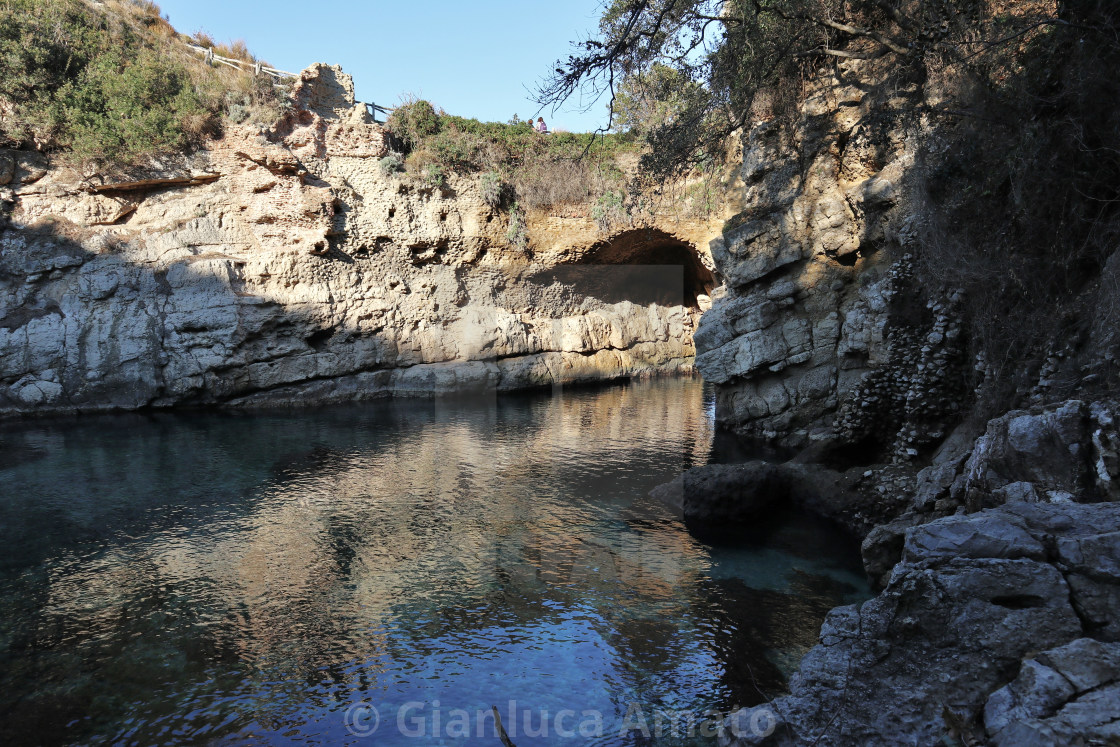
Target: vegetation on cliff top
point(541, 170)
point(112, 83)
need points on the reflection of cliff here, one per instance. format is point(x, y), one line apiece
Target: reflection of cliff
point(478, 498)
point(288, 266)
point(472, 502)
point(351, 549)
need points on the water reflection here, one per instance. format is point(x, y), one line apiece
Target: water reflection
point(250, 577)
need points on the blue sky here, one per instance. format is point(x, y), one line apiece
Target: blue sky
point(475, 58)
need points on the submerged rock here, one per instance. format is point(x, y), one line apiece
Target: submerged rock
point(718, 493)
point(735, 493)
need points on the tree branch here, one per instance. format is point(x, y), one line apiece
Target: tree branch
point(841, 53)
point(855, 31)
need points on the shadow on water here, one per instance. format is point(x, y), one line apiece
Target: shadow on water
point(250, 577)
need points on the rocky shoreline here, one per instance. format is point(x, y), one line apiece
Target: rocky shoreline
point(995, 541)
point(996, 623)
point(286, 267)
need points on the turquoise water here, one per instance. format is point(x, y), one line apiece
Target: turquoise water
point(385, 573)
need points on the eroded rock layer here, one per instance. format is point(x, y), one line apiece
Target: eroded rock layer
point(821, 333)
point(289, 266)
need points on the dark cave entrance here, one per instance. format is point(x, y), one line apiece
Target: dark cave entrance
point(643, 266)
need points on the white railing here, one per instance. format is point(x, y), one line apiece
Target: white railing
point(260, 69)
point(256, 67)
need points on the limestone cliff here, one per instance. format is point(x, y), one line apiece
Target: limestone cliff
point(821, 332)
point(995, 540)
point(288, 266)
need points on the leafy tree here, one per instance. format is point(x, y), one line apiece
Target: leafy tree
point(655, 98)
point(734, 49)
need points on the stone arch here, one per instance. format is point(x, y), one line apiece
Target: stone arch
point(651, 265)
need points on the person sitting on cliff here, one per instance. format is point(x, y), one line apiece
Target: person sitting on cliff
point(541, 127)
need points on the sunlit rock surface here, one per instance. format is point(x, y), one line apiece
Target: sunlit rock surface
point(288, 266)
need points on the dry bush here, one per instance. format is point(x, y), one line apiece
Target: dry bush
point(236, 50)
point(546, 183)
point(543, 170)
point(145, 8)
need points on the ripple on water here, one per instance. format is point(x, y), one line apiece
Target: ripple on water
point(249, 578)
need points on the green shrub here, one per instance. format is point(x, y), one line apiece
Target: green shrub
point(610, 210)
point(391, 164)
point(543, 171)
point(434, 176)
point(113, 82)
point(119, 110)
point(238, 107)
point(413, 121)
point(517, 234)
point(490, 188)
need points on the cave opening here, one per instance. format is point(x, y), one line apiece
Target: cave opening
point(643, 266)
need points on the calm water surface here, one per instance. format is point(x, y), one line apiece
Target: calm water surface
point(275, 577)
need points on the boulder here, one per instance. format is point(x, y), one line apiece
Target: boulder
point(1052, 454)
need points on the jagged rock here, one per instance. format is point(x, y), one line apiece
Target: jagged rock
point(753, 250)
point(829, 211)
point(1017, 492)
point(973, 597)
point(1067, 695)
point(881, 549)
point(324, 90)
point(1054, 454)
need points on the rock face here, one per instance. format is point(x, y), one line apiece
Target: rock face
point(1067, 695)
point(819, 334)
point(726, 494)
point(289, 266)
point(1061, 453)
point(1048, 454)
point(950, 648)
point(995, 543)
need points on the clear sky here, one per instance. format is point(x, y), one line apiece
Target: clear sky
point(474, 58)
